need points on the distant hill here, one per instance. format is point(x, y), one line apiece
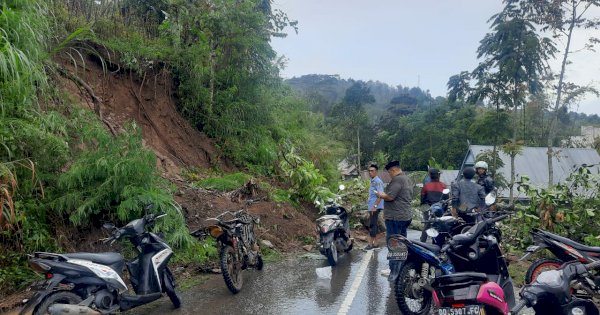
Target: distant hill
point(324, 90)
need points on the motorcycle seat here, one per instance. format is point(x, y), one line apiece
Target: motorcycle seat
point(460, 278)
point(329, 217)
point(571, 243)
point(430, 247)
point(111, 259)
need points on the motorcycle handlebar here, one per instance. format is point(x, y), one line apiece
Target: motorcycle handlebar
point(593, 265)
point(515, 310)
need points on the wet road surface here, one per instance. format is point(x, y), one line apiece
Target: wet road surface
point(293, 287)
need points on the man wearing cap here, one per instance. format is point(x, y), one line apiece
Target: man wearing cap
point(397, 196)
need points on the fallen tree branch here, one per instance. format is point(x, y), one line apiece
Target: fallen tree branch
point(95, 99)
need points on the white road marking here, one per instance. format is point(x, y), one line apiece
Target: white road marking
point(355, 284)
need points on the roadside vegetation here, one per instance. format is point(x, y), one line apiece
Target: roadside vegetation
point(62, 170)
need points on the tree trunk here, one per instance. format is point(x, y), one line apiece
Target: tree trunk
point(551, 129)
point(358, 145)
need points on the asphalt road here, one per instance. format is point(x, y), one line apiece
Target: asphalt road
point(293, 287)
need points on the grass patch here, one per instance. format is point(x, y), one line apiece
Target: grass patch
point(270, 255)
point(187, 283)
point(517, 271)
point(227, 182)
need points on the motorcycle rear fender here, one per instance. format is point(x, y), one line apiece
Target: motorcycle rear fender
point(327, 239)
point(37, 298)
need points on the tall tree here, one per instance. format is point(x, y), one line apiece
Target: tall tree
point(350, 114)
point(514, 57)
point(562, 18)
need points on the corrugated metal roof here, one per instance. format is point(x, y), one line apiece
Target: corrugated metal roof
point(448, 176)
point(533, 162)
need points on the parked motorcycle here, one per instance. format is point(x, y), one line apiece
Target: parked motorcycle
point(442, 224)
point(92, 283)
point(334, 231)
point(475, 254)
point(553, 292)
point(563, 249)
point(238, 247)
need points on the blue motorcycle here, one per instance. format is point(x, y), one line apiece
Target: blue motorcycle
point(415, 265)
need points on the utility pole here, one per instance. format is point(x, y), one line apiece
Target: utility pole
point(358, 146)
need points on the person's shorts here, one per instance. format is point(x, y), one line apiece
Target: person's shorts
point(374, 223)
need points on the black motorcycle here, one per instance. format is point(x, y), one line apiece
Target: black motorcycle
point(238, 247)
point(334, 231)
point(416, 265)
point(564, 250)
point(92, 283)
point(554, 292)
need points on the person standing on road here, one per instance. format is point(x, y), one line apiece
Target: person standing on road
point(396, 207)
point(430, 194)
point(375, 205)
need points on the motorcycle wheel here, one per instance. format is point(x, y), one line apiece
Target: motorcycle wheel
point(231, 268)
point(259, 262)
point(540, 266)
point(169, 284)
point(58, 297)
point(349, 247)
point(411, 299)
point(332, 255)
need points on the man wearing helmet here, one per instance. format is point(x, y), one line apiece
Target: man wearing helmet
point(430, 194)
point(483, 178)
point(467, 195)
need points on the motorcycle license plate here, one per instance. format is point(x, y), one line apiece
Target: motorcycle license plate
point(401, 255)
point(465, 310)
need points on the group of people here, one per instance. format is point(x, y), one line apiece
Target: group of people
point(394, 200)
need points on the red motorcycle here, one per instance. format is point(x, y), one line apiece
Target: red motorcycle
point(564, 250)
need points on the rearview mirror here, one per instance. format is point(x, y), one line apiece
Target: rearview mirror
point(446, 191)
point(342, 187)
point(490, 198)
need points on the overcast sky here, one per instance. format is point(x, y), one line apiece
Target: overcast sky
point(408, 42)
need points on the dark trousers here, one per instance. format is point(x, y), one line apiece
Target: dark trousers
point(374, 222)
point(394, 227)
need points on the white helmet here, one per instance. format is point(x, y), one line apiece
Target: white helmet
point(481, 164)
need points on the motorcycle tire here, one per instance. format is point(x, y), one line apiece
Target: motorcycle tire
point(349, 247)
point(62, 297)
point(259, 263)
point(231, 269)
point(404, 284)
point(332, 255)
point(539, 266)
point(169, 284)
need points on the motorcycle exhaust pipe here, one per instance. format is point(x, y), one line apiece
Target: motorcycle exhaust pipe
point(61, 309)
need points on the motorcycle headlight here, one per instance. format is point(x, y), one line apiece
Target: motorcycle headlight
point(215, 231)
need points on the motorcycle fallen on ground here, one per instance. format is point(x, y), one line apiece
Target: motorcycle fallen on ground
point(425, 273)
point(237, 243)
point(92, 283)
point(563, 249)
point(554, 292)
point(334, 230)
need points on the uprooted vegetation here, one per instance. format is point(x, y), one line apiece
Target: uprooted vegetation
point(91, 129)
